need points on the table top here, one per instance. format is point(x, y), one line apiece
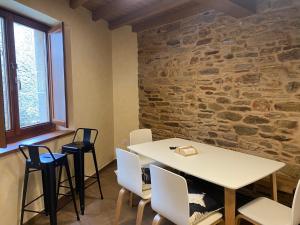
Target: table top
point(220, 166)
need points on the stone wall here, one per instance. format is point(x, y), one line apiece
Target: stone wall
point(228, 82)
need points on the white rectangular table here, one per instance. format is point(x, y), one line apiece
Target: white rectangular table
point(229, 169)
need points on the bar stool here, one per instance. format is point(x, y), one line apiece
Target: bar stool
point(46, 163)
point(78, 149)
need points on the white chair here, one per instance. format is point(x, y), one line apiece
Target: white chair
point(129, 176)
point(265, 211)
point(170, 199)
point(140, 136)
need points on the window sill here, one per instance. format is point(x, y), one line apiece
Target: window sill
point(13, 147)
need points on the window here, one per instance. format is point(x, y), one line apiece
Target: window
point(33, 76)
point(4, 75)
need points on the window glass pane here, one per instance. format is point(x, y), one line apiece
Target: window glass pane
point(4, 75)
point(31, 59)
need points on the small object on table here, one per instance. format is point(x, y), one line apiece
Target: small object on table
point(186, 150)
point(173, 147)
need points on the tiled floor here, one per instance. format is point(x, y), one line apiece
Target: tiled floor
point(100, 212)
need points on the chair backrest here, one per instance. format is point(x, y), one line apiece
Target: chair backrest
point(296, 206)
point(140, 136)
point(88, 133)
point(169, 195)
point(129, 171)
point(34, 154)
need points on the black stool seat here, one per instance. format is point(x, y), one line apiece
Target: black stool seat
point(46, 158)
point(78, 149)
point(78, 146)
point(46, 163)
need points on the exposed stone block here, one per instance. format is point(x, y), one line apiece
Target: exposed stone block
point(209, 71)
point(245, 130)
point(215, 107)
point(288, 106)
point(255, 120)
point(293, 86)
point(204, 41)
point(293, 54)
point(173, 43)
point(230, 116)
point(239, 108)
point(223, 100)
point(226, 144)
point(275, 137)
point(287, 124)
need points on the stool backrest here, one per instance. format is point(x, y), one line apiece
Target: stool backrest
point(129, 171)
point(87, 134)
point(140, 136)
point(296, 206)
point(169, 195)
point(34, 153)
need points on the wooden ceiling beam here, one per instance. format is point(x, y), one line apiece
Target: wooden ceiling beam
point(234, 8)
point(139, 15)
point(229, 7)
point(77, 3)
point(104, 11)
point(189, 9)
point(251, 5)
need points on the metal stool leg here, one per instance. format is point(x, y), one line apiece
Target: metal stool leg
point(81, 181)
point(45, 191)
point(76, 158)
point(97, 172)
point(24, 193)
point(52, 194)
point(71, 187)
point(58, 186)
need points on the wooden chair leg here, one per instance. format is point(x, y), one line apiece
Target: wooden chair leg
point(219, 222)
point(157, 219)
point(140, 211)
point(131, 199)
point(238, 219)
point(122, 192)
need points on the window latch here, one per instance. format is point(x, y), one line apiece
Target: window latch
point(14, 66)
point(18, 83)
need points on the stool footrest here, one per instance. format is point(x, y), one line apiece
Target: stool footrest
point(91, 177)
point(66, 195)
point(33, 211)
point(64, 186)
point(65, 180)
point(34, 200)
point(34, 170)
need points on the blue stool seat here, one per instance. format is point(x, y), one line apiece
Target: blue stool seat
point(47, 158)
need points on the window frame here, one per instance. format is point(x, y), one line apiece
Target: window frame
point(17, 133)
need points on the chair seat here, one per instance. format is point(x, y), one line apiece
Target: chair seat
point(47, 158)
point(267, 212)
point(76, 146)
point(211, 219)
